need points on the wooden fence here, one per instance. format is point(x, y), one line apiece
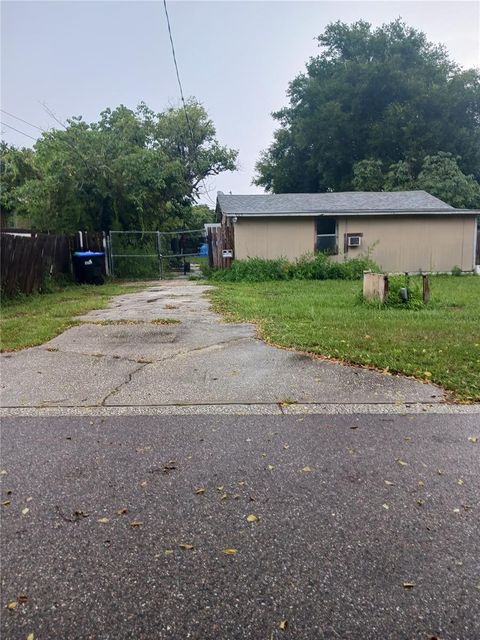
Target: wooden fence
point(26, 261)
point(220, 239)
point(477, 259)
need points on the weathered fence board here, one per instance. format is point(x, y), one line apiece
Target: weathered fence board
point(375, 286)
point(25, 261)
point(477, 259)
point(220, 239)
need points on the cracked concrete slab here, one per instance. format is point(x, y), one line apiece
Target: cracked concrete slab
point(37, 377)
point(200, 360)
point(251, 371)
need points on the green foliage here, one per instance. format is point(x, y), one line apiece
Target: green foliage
point(16, 167)
point(130, 170)
point(254, 270)
point(368, 175)
point(308, 267)
point(375, 95)
point(438, 174)
point(413, 285)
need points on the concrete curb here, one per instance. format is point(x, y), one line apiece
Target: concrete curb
point(244, 409)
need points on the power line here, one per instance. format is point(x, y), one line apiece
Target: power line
point(183, 98)
point(69, 144)
point(22, 120)
point(18, 131)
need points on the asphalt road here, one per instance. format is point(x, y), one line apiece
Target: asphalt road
point(330, 554)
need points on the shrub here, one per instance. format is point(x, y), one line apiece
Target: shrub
point(413, 287)
point(308, 267)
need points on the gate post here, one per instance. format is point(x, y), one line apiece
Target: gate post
point(159, 253)
point(112, 269)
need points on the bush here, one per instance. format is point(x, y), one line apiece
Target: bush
point(308, 267)
point(413, 287)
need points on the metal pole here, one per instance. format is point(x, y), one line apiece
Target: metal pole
point(159, 256)
point(111, 254)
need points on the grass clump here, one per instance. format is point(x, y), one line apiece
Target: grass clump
point(308, 267)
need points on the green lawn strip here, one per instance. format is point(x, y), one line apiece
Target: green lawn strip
point(28, 321)
point(440, 343)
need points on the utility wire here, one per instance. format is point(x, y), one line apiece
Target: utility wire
point(18, 131)
point(183, 99)
point(69, 144)
point(22, 120)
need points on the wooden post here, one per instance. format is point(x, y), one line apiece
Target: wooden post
point(426, 289)
point(375, 286)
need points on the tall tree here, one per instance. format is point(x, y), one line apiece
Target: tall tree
point(385, 94)
point(130, 170)
point(438, 174)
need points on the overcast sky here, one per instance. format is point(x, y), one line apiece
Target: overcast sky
point(235, 57)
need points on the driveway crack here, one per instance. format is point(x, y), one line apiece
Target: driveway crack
point(127, 380)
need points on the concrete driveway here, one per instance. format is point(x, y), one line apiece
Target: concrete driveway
point(124, 356)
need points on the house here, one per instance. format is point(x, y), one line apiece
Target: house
point(402, 230)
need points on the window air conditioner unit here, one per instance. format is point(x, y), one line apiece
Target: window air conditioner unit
point(354, 241)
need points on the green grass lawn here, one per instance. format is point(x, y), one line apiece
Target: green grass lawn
point(440, 343)
point(27, 321)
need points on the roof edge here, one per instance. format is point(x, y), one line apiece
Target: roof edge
point(357, 212)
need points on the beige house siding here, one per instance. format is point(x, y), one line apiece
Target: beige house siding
point(413, 243)
point(274, 237)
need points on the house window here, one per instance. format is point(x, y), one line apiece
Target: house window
point(327, 235)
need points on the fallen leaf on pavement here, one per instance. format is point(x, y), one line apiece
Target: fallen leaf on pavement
point(30, 636)
point(122, 512)
point(283, 625)
point(421, 483)
point(230, 552)
point(473, 439)
point(81, 514)
point(25, 511)
point(103, 520)
point(306, 469)
point(460, 481)
point(22, 599)
point(12, 605)
point(200, 492)
point(29, 499)
point(401, 462)
point(408, 585)
point(286, 445)
point(385, 506)
point(186, 547)
point(7, 503)
point(252, 518)
point(168, 552)
point(136, 524)
point(389, 483)
point(270, 467)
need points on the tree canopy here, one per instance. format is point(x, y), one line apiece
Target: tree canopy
point(385, 95)
point(130, 170)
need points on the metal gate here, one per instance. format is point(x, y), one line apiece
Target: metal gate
point(154, 254)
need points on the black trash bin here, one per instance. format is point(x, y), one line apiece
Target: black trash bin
point(89, 267)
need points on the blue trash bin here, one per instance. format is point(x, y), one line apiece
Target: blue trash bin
point(89, 267)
